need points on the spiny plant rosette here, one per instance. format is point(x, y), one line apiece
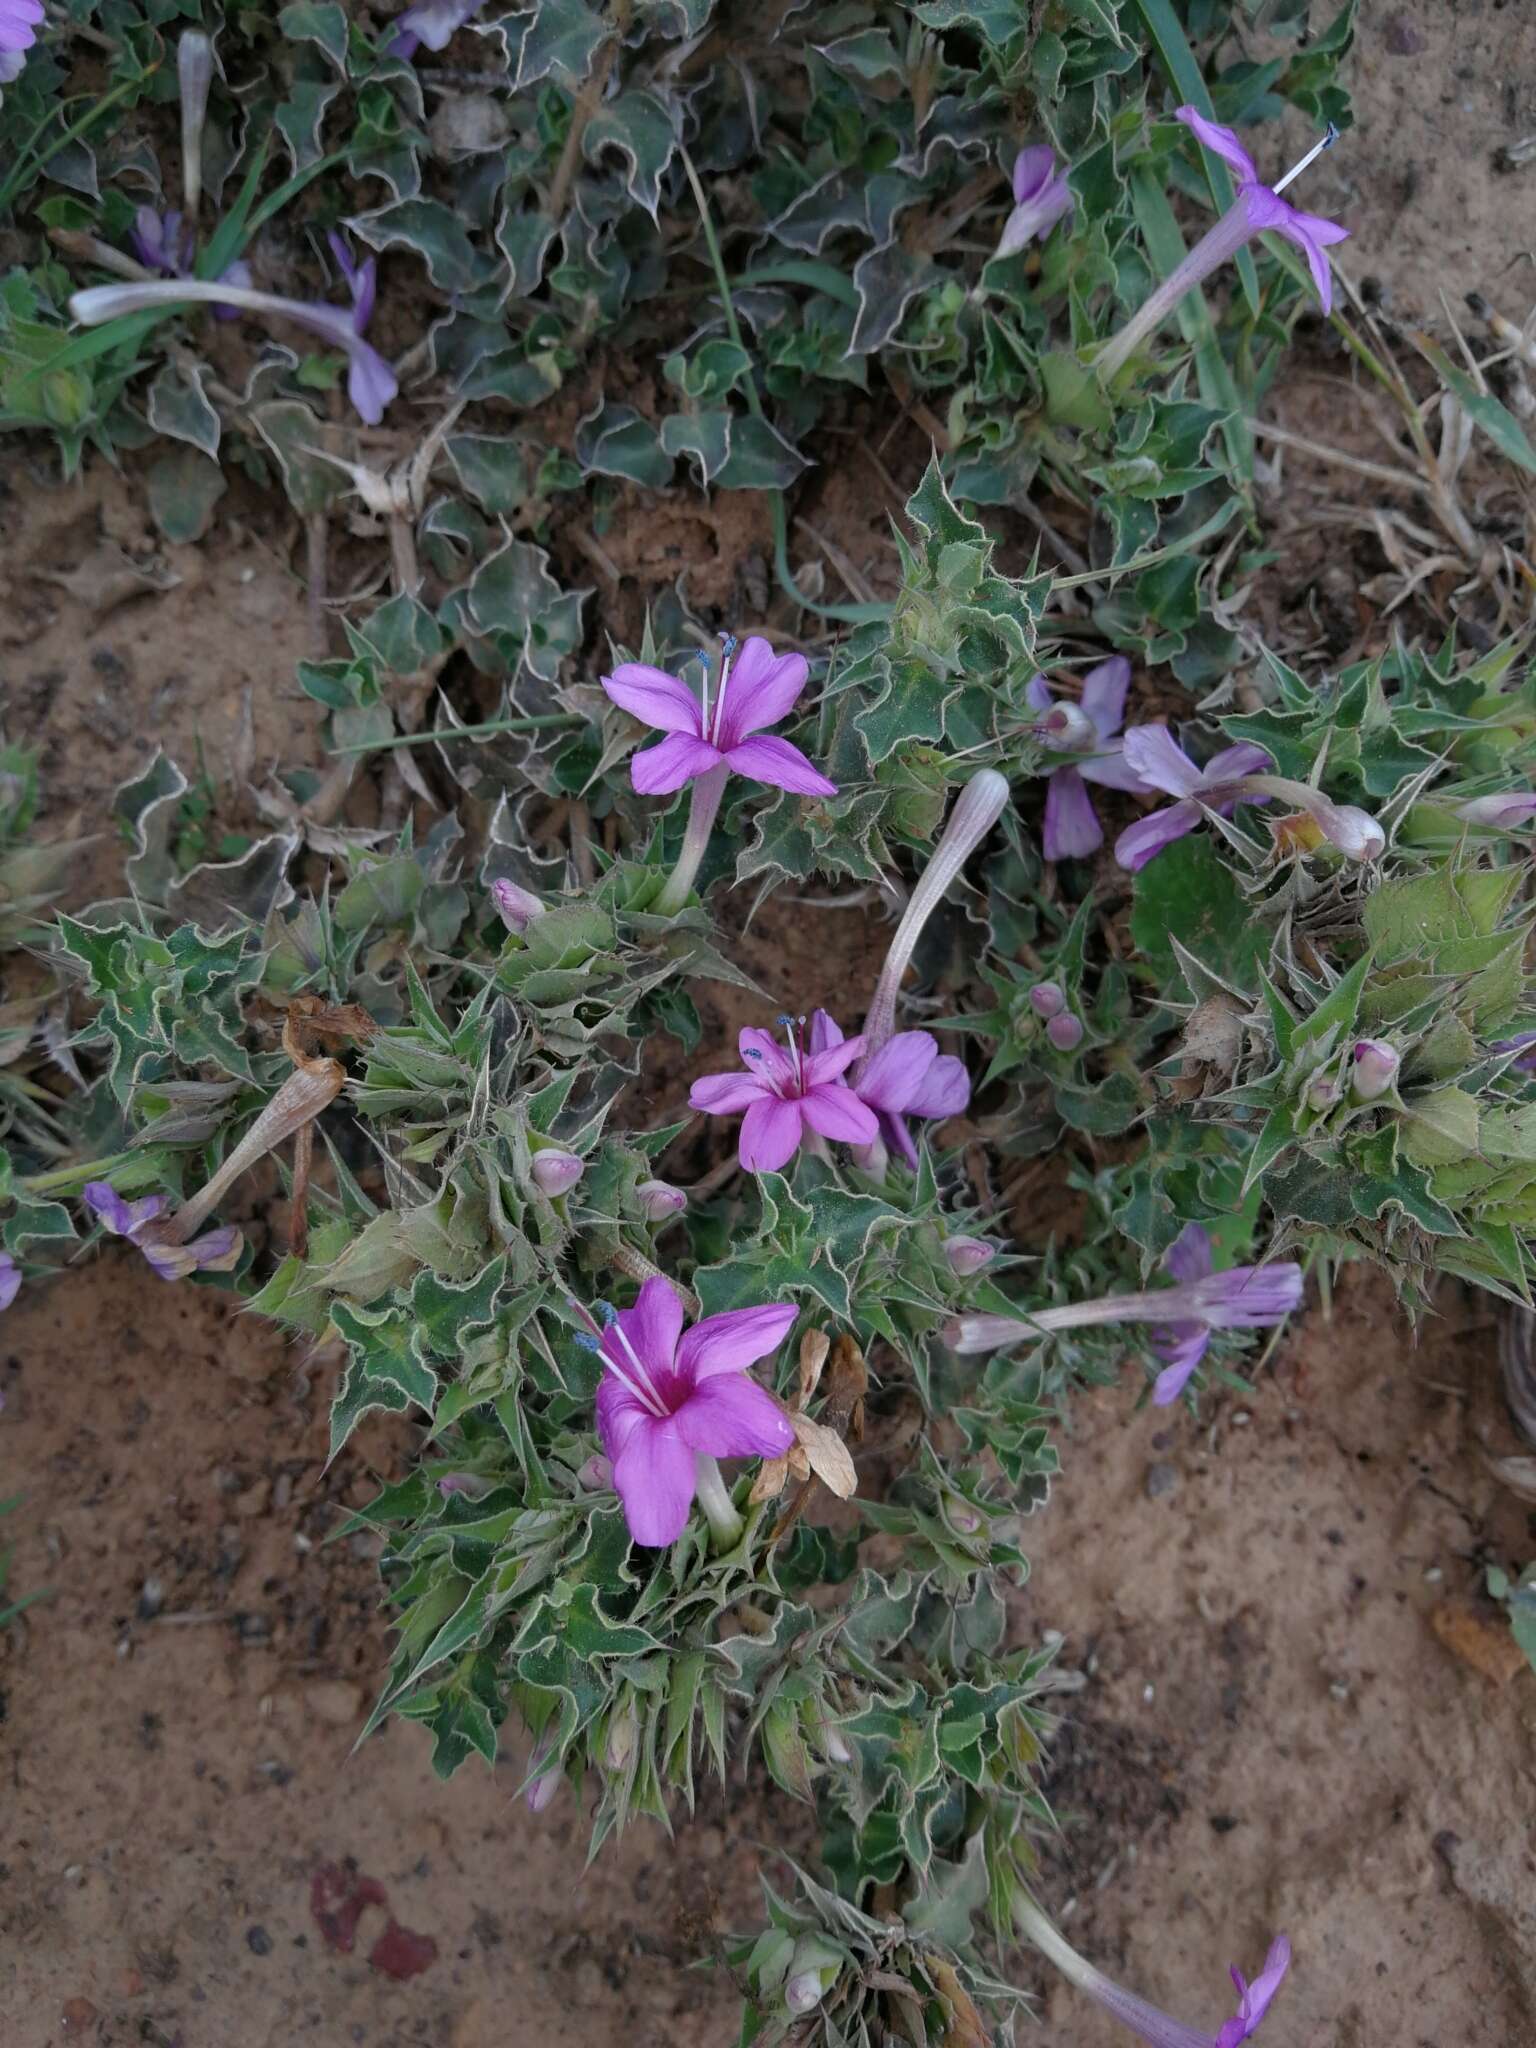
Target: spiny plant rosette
point(729, 1411)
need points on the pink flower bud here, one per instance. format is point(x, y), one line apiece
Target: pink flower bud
point(1324, 1093)
point(555, 1173)
point(517, 907)
point(1065, 1032)
point(1500, 813)
point(968, 1255)
point(803, 1993)
point(1047, 1000)
point(470, 1484)
point(596, 1474)
point(1375, 1069)
point(659, 1200)
point(1067, 728)
point(543, 1784)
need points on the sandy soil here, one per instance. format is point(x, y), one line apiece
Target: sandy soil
point(1286, 1704)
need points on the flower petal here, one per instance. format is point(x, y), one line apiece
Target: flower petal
point(761, 1053)
point(731, 1416)
point(1032, 170)
point(726, 1094)
point(113, 1213)
point(837, 1113)
point(655, 698)
point(896, 1072)
point(1104, 693)
point(770, 1135)
point(371, 383)
point(653, 1474)
point(653, 1326)
point(832, 1059)
point(945, 1089)
point(772, 760)
point(1183, 1352)
point(733, 1341)
point(657, 771)
point(1189, 1256)
point(1072, 830)
point(1220, 141)
point(619, 1411)
point(1139, 843)
point(1311, 234)
point(761, 688)
point(1157, 757)
point(1246, 758)
point(1110, 770)
point(825, 1032)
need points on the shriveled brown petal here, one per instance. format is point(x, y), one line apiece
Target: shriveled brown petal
point(772, 1478)
point(814, 1346)
point(828, 1456)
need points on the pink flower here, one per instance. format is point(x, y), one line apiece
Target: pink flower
point(908, 1076)
point(789, 1092)
point(757, 691)
point(216, 1251)
point(1262, 206)
point(10, 1280)
point(433, 22)
point(1041, 195)
point(668, 1398)
point(20, 21)
point(1072, 828)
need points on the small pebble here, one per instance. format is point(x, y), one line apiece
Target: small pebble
point(151, 1599)
point(258, 1941)
point(1162, 1478)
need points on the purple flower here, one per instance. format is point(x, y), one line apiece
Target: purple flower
point(10, 1280)
point(432, 22)
point(20, 21)
point(1152, 752)
point(166, 242)
point(1241, 1298)
point(1504, 813)
point(669, 1398)
point(1072, 828)
point(1263, 207)
point(1040, 198)
point(1375, 1063)
point(1526, 1064)
point(788, 1093)
point(757, 691)
point(1256, 208)
point(216, 1251)
point(1146, 2021)
point(908, 1076)
point(371, 382)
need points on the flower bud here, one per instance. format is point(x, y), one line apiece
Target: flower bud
point(470, 1484)
point(1066, 728)
point(1354, 832)
point(659, 1200)
point(833, 1747)
point(1500, 813)
point(621, 1741)
point(1065, 1032)
point(516, 907)
point(194, 72)
point(543, 1784)
point(1324, 1093)
point(596, 1474)
point(964, 1518)
point(967, 1255)
point(555, 1173)
point(1047, 999)
point(1375, 1069)
point(803, 1993)
point(10, 1280)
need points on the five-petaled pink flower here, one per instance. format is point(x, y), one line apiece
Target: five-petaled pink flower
point(669, 1397)
point(755, 691)
point(789, 1090)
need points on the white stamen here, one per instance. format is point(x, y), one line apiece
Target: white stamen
point(650, 1396)
point(727, 654)
point(1311, 156)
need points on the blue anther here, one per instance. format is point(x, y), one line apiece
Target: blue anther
point(587, 1341)
point(607, 1314)
point(727, 644)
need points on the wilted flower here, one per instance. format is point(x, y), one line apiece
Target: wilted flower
point(1146, 2021)
point(670, 1398)
point(967, 1255)
point(20, 21)
point(432, 22)
point(659, 1200)
point(216, 1251)
point(371, 383)
point(907, 1077)
point(1041, 196)
point(1374, 1068)
point(1156, 756)
point(10, 1280)
point(516, 907)
point(755, 691)
point(1257, 208)
point(788, 1091)
point(1072, 829)
point(167, 242)
point(556, 1173)
point(1504, 813)
point(1241, 1298)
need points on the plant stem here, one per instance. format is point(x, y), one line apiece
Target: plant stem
point(1219, 243)
point(18, 176)
point(703, 806)
point(725, 1524)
